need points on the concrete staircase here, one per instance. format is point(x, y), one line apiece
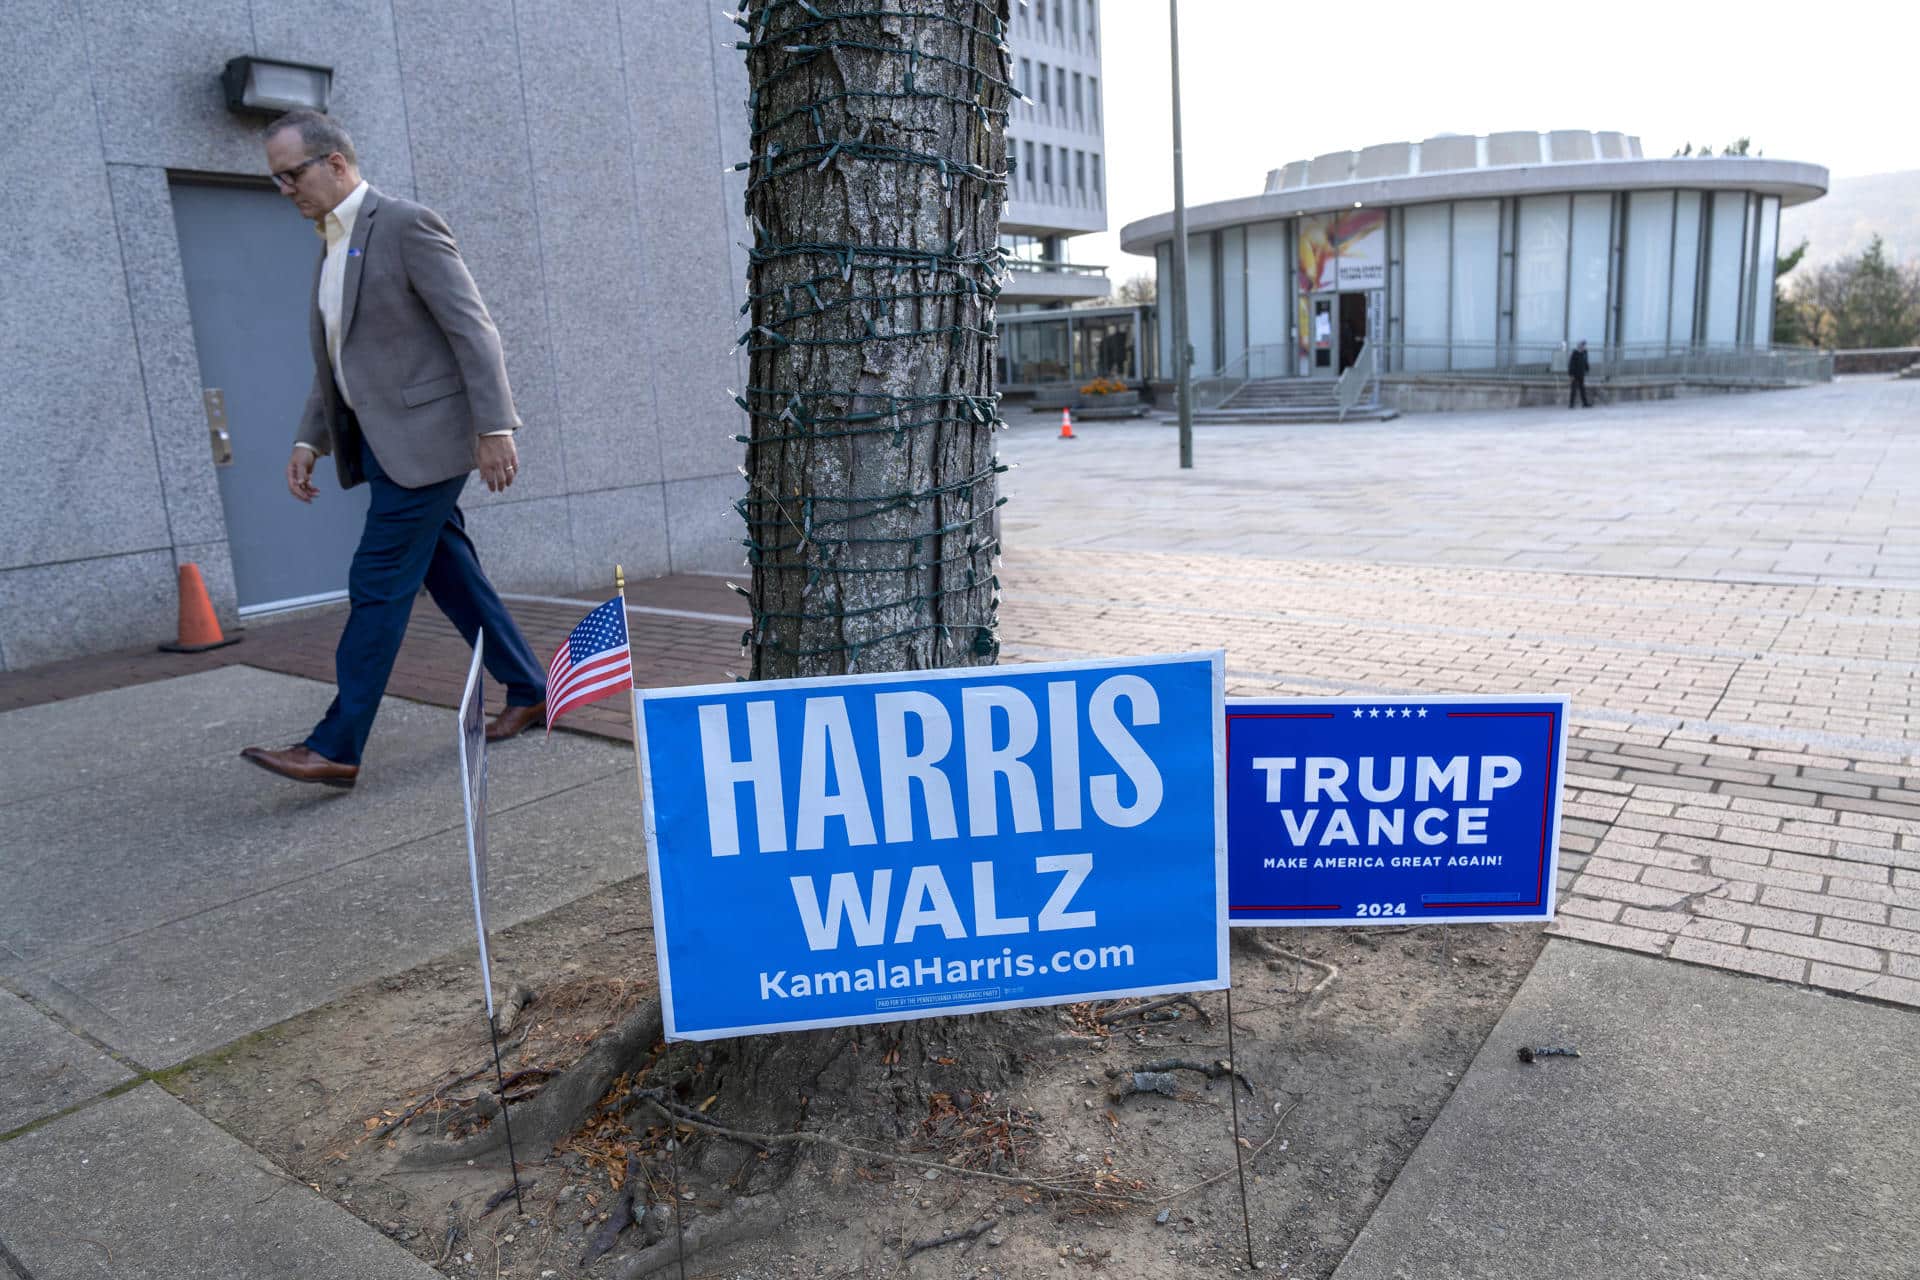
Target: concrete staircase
point(1289, 400)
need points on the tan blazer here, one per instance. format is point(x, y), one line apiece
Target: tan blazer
point(418, 348)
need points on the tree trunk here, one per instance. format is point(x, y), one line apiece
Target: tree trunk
point(874, 192)
point(874, 195)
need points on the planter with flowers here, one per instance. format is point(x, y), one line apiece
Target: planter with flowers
point(1109, 398)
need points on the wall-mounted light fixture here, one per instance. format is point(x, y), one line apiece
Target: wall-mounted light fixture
point(269, 87)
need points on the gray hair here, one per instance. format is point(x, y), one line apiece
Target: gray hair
point(320, 134)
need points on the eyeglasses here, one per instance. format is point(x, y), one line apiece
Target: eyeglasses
point(286, 178)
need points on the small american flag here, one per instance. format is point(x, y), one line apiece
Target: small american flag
point(592, 662)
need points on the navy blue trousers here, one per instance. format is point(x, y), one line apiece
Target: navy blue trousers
point(414, 538)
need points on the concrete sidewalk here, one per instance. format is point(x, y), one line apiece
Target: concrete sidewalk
point(162, 897)
point(1715, 1126)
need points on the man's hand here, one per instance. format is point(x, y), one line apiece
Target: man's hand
point(498, 461)
point(300, 474)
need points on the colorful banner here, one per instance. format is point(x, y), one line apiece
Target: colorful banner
point(1345, 251)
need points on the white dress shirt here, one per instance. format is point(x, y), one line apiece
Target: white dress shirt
point(336, 228)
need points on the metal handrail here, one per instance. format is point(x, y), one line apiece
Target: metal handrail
point(1062, 268)
point(1353, 381)
point(1717, 361)
point(1265, 360)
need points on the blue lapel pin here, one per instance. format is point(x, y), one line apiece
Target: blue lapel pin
point(353, 253)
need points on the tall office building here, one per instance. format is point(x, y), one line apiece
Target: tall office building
point(1056, 143)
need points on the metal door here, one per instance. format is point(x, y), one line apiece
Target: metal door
point(1323, 339)
point(249, 261)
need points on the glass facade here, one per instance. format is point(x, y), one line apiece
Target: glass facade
point(1540, 286)
point(1426, 261)
point(1204, 307)
point(1490, 283)
point(1233, 302)
point(1587, 268)
point(1762, 310)
point(1726, 266)
point(1682, 326)
point(1269, 297)
point(1073, 347)
point(1476, 295)
point(1647, 285)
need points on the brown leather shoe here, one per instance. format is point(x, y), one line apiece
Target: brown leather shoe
point(515, 720)
point(302, 765)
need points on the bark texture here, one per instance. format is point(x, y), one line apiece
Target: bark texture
point(874, 194)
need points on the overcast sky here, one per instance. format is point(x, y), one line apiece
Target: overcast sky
point(1834, 82)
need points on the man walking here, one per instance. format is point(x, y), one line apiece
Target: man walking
point(1577, 371)
point(409, 395)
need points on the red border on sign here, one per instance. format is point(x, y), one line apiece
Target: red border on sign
point(1546, 803)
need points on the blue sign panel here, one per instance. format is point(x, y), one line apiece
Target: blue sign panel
point(875, 848)
point(1409, 812)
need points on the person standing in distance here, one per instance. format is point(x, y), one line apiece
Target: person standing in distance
point(409, 395)
point(1577, 371)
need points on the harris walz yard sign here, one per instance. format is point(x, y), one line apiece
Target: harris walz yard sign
point(877, 848)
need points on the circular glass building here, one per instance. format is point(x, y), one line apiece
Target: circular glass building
point(1493, 255)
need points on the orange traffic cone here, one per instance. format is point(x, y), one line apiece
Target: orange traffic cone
point(199, 629)
point(1066, 424)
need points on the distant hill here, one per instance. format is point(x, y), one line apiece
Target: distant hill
point(1840, 223)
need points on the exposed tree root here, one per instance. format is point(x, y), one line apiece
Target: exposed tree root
point(499, 1197)
point(621, 1217)
point(1277, 957)
point(748, 1219)
point(510, 1009)
point(1211, 1070)
point(1145, 1011)
point(566, 1099)
point(973, 1232)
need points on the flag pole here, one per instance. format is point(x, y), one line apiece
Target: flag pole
point(633, 690)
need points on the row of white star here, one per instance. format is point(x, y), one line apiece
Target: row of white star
point(1374, 713)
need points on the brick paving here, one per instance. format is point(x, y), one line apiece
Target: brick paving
point(1744, 755)
point(675, 625)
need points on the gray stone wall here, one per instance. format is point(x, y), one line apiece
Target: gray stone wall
point(575, 147)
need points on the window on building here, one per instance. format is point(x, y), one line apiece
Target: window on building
point(1074, 15)
point(1093, 97)
point(1030, 172)
point(1026, 77)
point(1040, 14)
point(1080, 174)
point(1096, 175)
point(1059, 19)
point(1079, 115)
point(1060, 83)
point(1046, 168)
point(1587, 286)
point(1646, 283)
point(1020, 248)
point(1092, 39)
point(1686, 267)
point(1043, 85)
